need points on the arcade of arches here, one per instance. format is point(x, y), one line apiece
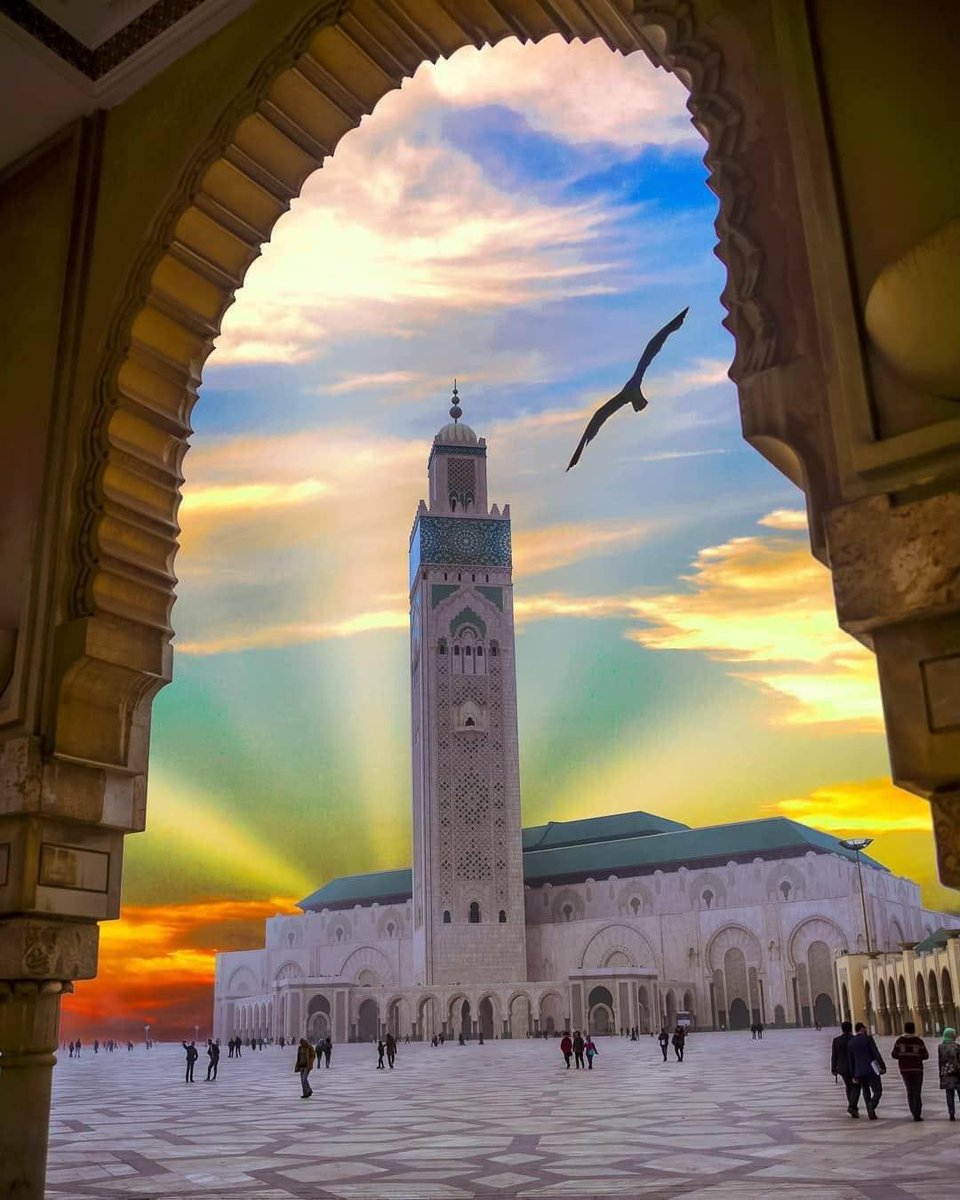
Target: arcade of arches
point(842, 259)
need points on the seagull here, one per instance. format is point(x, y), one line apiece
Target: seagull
point(630, 392)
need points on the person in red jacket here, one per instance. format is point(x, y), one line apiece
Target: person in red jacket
point(911, 1053)
point(566, 1049)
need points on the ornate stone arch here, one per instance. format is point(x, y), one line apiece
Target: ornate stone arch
point(369, 958)
point(390, 917)
point(567, 905)
point(317, 80)
point(707, 883)
point(617, 937)
point(243, 982)
point(734, 937)
point(786, 872)
point(634, 899)
point(288, 972)
point(813, 929)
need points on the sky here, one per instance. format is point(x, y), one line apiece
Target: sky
point(522, 219)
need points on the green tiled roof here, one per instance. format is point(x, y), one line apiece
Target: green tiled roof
point(566, 851)
point(933, 940)
point(384, 887)
point(596, 829)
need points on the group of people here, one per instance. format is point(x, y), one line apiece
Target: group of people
point(109, 1045)
point(578, 1048)
point(213, 1059)
point(386, 1046)
point(309, 1055)
point(679, 1039)
point(756, 1031)
point(856, 1059)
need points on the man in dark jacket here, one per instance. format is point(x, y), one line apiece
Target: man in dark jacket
point(868, 1066)
point(910, 1052)
point(578, 1044)
point(841, 1065)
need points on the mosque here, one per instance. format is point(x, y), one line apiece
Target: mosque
point(604, 923)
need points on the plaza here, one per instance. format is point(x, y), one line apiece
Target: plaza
point(737, 1120)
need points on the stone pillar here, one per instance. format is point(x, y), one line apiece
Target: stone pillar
point(29, 1034)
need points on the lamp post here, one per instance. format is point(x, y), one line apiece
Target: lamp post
point(146, 1036)
point(856, 845)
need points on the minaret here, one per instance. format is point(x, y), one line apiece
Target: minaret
point(467, 855)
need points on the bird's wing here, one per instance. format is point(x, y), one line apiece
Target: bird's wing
point(595, 422)
point(654, 346)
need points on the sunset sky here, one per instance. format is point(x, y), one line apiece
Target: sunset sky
point(522, 218)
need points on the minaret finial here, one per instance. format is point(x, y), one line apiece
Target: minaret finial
point(455, 410)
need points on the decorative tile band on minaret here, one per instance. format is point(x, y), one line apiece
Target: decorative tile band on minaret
point(467, 869)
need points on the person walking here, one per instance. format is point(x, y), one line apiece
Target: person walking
point(566, 1049)
point(842, 1065)
point(327, 1051)
point(391, 1047)
point(590, 1050)
point(664, 1040)
point(380, 1050)
point(948, 1060)
point(578, 1045)
point(868, 1067)
point(213, 1054)
point(759, 1031)
point(679, 1037)
point(303, 1067)
point(192, 1055)
point(319, 1052)
point(911, 1053)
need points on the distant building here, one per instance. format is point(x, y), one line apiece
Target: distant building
point(603, 923)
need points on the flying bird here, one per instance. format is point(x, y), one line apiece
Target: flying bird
point(630, 393)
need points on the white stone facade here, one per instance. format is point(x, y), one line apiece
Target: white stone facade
point(485, 937)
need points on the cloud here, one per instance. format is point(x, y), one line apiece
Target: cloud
point(671, 455)
point(250, 497)
point(580, 95)
point(785, 518)
point(861, 806)
point(156, 967)
point(764, 604)
point(298, 633)
point(549, 547)
point(390, 237)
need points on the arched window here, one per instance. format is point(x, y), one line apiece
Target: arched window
point(474, 913)
point(635, 904)
point(446, 916)
point(390, 929)
point(470, 722)
point(567, 912)
point(786, 888)
point(503, 917)
point(707, 898)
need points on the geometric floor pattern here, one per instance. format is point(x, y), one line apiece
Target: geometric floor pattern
point(738, 1120)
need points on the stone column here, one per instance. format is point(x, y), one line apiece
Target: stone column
point(29, 1033)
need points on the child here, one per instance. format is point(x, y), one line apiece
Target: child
point(380, 1049)
point(590, 1050)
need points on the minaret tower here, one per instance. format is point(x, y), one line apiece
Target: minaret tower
point(467, 854)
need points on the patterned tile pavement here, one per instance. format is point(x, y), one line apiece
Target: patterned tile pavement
point(738, 1120)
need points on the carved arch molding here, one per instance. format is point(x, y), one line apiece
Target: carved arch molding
point(307, 93)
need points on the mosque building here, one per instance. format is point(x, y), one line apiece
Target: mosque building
point(604, 923)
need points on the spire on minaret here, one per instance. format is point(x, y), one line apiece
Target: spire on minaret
point(455, 410)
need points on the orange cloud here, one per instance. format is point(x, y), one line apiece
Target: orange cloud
point(898, 821)
point(157, 967)
point(552, 546)
point(785, 518)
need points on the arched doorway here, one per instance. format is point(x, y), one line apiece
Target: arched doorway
point(177, 353)
point(600, 1012)
point(318, 1018)
point(485, 1017)
point(520, 1016)
point(428, 1018)
point(551, 1013)
point(739, 1014)
point(824, 1009)
point(368, 1021)
point(643, 1010)
point(466, 1023)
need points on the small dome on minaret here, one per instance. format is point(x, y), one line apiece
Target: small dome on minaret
point(456, 434)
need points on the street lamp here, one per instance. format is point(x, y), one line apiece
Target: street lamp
point(856, 845)
point(146, 1035)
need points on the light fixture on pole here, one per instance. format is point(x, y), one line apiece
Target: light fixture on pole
point(856, 845)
